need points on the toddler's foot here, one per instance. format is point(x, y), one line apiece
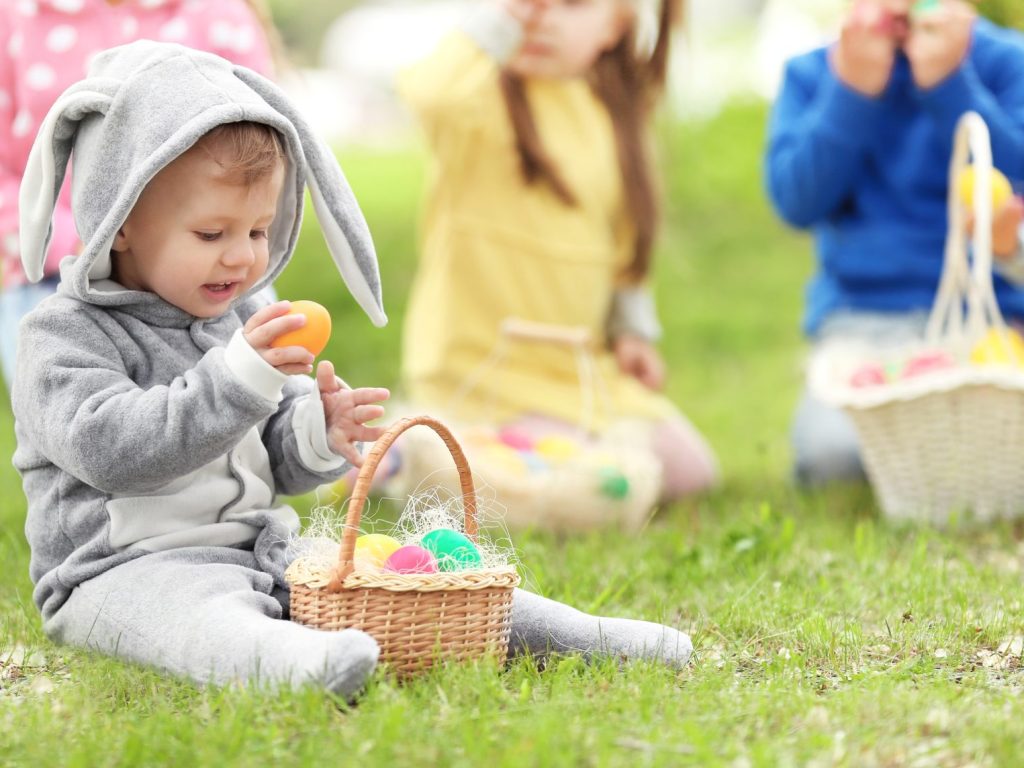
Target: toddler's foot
point(541, 626)
point(351, 659)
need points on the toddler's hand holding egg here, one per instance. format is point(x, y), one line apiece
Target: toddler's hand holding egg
point(313, 335)
point(287, 335)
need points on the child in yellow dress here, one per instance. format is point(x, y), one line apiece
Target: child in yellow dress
point(543, 208)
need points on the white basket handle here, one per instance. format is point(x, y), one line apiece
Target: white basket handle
point(965, 305)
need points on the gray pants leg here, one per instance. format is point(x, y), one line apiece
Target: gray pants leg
point(541, 626)
point(210, 615)
point(825, 444)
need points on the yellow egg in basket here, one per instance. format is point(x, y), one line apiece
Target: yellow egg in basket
point(557, 448)
point(374, 549)
point(997, 349)
point(1001, 189)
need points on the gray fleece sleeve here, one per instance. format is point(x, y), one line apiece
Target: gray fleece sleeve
point(299, 459)
point(498, 34)
point(633, 314)
point(77, 403)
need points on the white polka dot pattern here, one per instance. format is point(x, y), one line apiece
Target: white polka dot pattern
point(22, 124)
point(61, 38)
point(231, 38)
point(11, 243)
point(174, 31)
point(39, 77)
point(68, 6)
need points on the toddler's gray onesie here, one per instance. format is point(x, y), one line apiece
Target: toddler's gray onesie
point(153, 444)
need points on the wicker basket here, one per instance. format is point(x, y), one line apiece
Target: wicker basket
point(417, 619)
point(948, 442)
point(562, 495)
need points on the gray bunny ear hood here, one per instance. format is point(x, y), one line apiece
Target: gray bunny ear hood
point(145, 104)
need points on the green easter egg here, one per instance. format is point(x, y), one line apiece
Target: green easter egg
point(454, 551)
point(614, 484)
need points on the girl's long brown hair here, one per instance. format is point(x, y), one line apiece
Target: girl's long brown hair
point(628, 86)
point(261, 11)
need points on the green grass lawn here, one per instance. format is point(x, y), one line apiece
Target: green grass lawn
point(824, 634)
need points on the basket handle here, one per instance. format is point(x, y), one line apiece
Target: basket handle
point(965, 305)
point(346, 556)
point(561, 335)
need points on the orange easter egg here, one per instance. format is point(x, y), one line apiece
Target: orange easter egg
point(314, 334)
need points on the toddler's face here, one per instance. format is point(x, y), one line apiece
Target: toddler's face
point(197, 238)
point(569, 37)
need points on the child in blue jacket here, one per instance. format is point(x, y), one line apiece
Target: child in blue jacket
point(858, 152)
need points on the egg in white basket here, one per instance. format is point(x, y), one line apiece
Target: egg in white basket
point(929, 361)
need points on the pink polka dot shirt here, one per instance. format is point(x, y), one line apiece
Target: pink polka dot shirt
point(46, 45)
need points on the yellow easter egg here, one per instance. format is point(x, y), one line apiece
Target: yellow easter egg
point(503, 458)
point(373, 550)
point(996, 350)
point(556, 448)
point(1001, 189)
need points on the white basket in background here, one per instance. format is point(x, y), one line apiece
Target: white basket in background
point(951, 441)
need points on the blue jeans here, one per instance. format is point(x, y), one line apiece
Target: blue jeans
point(16, 302)
point(825, 444)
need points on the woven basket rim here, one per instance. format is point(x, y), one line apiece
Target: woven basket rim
point(300, 574)
point(905, 390)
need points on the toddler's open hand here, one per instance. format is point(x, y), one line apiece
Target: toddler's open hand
point(939, 41)
point(638, 358)
point(347, 411)
point(266, 325)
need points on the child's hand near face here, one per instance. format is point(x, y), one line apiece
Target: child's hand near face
point(638, 358)
point(864, 56)
point(939, 41)
point(524, 11)
point(266, 325)
point(347, 411)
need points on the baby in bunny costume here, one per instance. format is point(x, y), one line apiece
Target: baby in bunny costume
point(155, 424)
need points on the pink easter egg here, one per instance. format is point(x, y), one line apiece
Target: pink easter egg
point(868, 375)
point(927, 362)
point(516, 438)
point(411, 559)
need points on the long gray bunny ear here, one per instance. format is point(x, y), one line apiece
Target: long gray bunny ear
point(345, 230)
point(47, 165)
